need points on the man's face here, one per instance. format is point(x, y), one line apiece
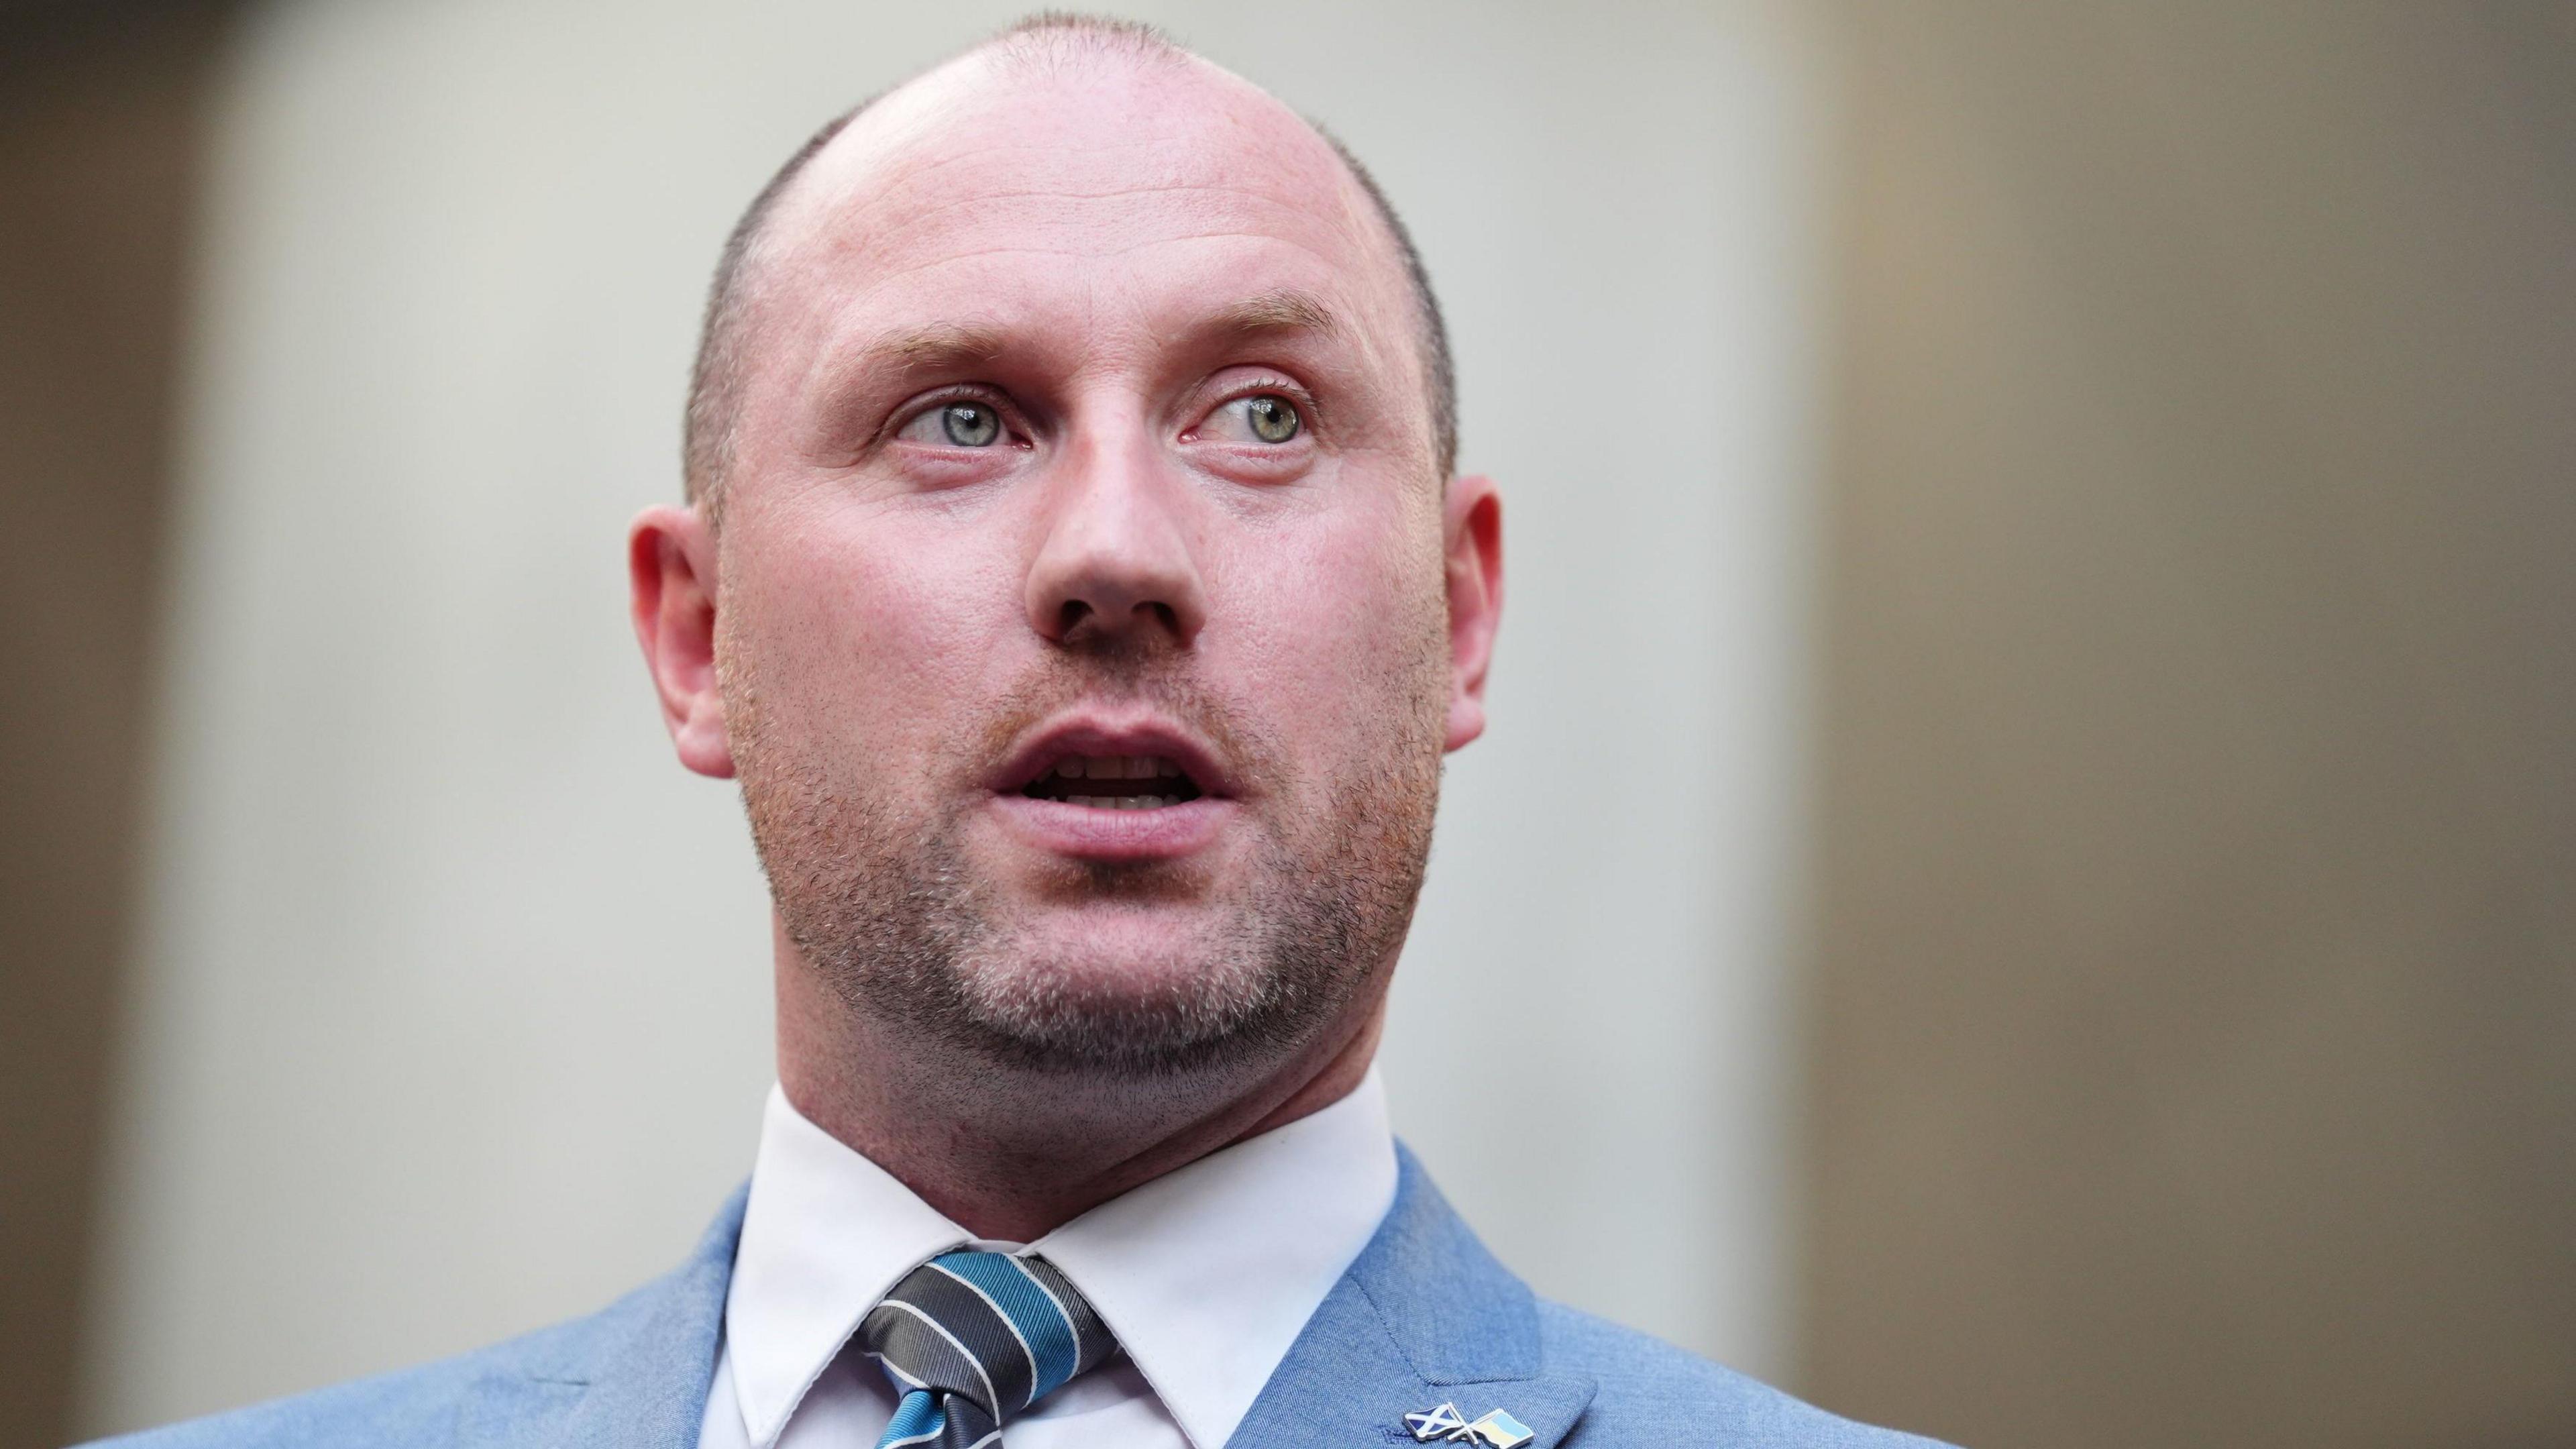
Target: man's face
point(1083, 630)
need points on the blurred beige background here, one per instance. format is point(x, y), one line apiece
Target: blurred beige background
point(2048, 529)
point(2193, 1013)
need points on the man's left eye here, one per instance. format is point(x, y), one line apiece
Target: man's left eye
point(956, 425)
point(1264, 417)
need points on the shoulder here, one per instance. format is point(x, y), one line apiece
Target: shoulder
point(1650, 1392)
point(649, 1352)
point(533, 1377)
point(1461, 1317)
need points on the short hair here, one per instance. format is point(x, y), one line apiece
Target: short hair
point(1048, 38)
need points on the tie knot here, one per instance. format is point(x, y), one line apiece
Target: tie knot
point(996, 1330)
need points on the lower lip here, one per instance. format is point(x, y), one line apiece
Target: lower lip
point(1088, 832)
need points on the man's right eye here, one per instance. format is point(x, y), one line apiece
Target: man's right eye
point(956, 425)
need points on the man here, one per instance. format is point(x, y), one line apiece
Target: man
point(1075, 578)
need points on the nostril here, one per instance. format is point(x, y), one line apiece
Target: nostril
point(1071, 614)
point(1164, 616)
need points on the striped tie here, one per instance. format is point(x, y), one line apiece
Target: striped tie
point(974, 1338)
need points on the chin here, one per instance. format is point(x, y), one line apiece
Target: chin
point(1119, 956)
point(1137, 997)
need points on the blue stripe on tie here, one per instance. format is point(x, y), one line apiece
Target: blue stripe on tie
point(917, 1420)
point(1030, 1308)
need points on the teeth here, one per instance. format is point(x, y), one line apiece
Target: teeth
point(1121, 802)
point(1116, 767)
point(1122, 768)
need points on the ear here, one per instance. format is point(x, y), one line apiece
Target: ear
point(1472, 530)
point(671, 564)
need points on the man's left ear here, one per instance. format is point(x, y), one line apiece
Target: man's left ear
point(1472, 531)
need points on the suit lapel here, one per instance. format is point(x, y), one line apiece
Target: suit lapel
point(1425, 1316)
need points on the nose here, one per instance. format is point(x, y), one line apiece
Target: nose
point(1116, 562)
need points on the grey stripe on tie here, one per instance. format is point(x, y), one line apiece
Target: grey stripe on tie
point(1003, 1314)
point(942, 1330)
point(979, 1326)
point(1091, 1340)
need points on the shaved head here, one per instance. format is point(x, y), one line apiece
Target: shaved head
point(1049, 43)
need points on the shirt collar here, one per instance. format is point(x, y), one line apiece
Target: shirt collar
point(826, 1232)
point(1276, 1219)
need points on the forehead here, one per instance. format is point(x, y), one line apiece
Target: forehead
point(1109, 192)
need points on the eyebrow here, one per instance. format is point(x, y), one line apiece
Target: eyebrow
point(948, 347)
point(940, 347)
point(1282, 310)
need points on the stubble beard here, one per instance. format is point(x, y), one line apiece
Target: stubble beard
point(892, 915)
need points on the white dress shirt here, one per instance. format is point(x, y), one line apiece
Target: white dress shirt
point(1206, 1275)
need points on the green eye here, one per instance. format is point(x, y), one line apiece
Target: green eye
point(970, 424)
point(1273, 418)
point(1264, 419)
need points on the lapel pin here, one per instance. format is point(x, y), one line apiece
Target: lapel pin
point(1497, 1430)
point(1439, 1423)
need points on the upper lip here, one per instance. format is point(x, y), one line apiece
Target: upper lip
point(1090, 734)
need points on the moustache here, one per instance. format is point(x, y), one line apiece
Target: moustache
point(1127, 679)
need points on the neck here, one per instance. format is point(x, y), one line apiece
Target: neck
point(1008, 1155)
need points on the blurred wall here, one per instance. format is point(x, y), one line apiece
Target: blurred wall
point(2195, 1003)
point(450, 1015)
point(98, 133)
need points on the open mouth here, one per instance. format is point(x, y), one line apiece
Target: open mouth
point(1114, 782)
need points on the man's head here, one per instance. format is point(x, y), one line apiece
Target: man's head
point(1091, 604)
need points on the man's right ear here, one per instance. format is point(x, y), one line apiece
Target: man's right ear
point(671, 563)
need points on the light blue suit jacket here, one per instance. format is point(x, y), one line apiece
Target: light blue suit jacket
point(1424, 1316)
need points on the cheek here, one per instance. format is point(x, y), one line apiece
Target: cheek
point(867, 636)
point(1335, 628)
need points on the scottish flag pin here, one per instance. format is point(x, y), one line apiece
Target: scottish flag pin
point(1496, 1430)
point(1439, 1423)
